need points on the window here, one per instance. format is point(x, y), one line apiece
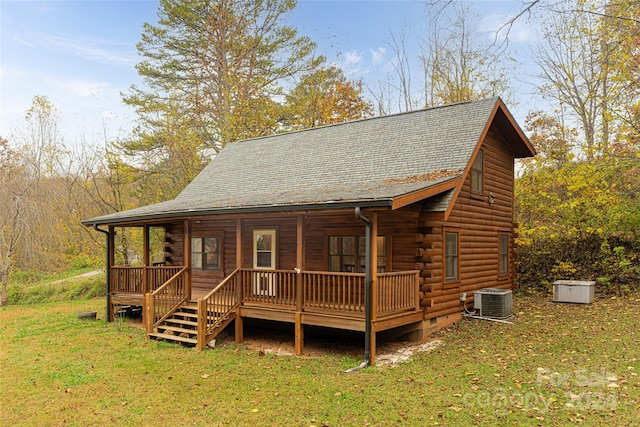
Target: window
point(264, 249)
point(206, 253)
point(503, 262)
point(451, 256)
point(347, 253)
point(477, 173)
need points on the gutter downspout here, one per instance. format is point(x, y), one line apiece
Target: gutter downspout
point(367, 292)
point(108, 270)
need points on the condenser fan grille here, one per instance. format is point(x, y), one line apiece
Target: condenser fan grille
point(493, 303)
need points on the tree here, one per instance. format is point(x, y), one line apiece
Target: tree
point(43, 197)
point(552, 140)
point(399, 77)
point(15, 191)
point(165, 160)
point(215, 67)
point(458, 65)
point(213, 71)
point(324, 97)
point(44, 156)
point(585, 58)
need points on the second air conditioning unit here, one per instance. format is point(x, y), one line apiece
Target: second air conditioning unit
point(493, 303)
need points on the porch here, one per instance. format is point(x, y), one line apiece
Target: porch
point(328, 299)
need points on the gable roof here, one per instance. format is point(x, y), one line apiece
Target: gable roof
point(388, 161)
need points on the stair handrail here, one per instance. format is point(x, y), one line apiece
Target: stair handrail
point(151, 312)
point(228, 303)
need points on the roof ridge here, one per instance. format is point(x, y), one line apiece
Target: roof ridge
point(365, 119)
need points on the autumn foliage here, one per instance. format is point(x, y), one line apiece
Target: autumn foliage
point(578, 219)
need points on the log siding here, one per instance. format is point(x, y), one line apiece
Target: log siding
point(480, 220)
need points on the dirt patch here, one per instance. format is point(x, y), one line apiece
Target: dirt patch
point(323, 341)
point(278, 338)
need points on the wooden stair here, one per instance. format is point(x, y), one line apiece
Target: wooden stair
point(182, 326)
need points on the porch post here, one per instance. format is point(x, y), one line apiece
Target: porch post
point(299, 263)
point(374, 266)
point(148, 317)
point(111, 261)
point(238, 321)
point(108, 263)
point(186, 255)
point(238, 243)
point(299, 327)
point(374, 282)
point(202, 324)
point(299, 334)
point(145, 250)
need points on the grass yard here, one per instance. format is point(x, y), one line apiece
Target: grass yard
point(555, 365)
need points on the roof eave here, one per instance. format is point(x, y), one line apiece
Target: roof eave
point(158, 217)
point(424, 193)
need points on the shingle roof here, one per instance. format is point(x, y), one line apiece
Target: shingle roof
point(366, 161)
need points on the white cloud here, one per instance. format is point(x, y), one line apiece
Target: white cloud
point(352, 58)
point(378, 56)
point(20, 41)
point(93, 50)
point(350, 63)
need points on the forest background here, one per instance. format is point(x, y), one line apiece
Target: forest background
point(215, 72)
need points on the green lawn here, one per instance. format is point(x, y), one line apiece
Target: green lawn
point(555, 365)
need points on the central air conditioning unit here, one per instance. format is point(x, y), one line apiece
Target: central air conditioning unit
point(493, 303)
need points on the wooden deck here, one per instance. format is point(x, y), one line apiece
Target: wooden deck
point(328, 299)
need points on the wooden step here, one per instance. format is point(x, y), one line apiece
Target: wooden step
point(194, 316)
point(177, 330)
point(182, 322)
point(178, 338)
point(186, 314)
point(182, 325)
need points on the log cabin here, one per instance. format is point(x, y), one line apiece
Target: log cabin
point(372, 225)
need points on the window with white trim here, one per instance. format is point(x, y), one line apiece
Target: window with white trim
point(264, 249)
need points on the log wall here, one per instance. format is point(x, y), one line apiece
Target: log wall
point(173, 244)
point(479, 219)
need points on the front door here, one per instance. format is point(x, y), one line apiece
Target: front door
point(264, 258)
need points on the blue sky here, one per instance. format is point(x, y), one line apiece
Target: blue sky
point(81, 54)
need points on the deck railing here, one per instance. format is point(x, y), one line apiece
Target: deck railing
point(334, 291)
point(398, 292)
point(329, 291)
point(269, 287)
point(140, 279)
point(166, 287)
point(163, 301)
point(216, 307)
